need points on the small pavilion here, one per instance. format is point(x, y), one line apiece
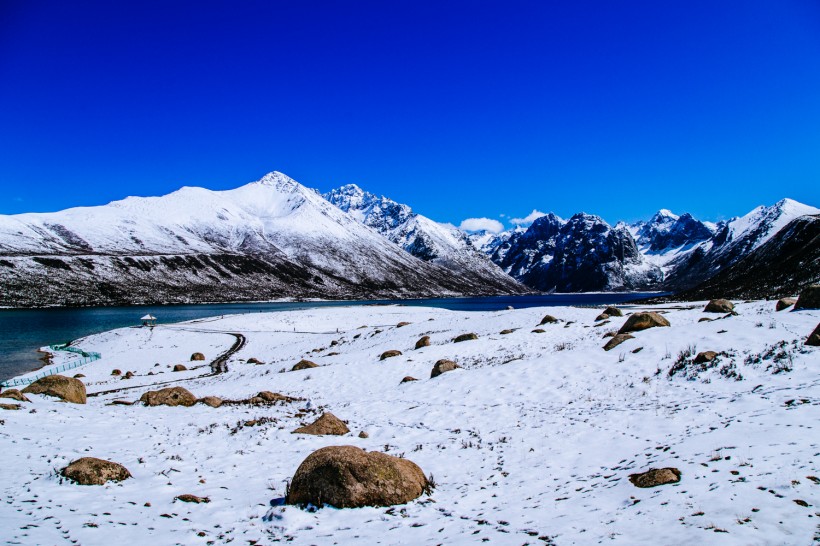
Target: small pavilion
point(149, 320)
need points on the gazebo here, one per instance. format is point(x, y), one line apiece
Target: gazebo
point(149, 320)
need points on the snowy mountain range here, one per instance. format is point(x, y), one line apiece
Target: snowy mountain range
point(275, 238)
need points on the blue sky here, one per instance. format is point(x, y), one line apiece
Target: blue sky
point(459, 109)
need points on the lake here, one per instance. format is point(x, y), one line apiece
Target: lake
point(23, 331)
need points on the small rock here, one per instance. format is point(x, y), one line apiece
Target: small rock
point(14, 394)
point(809, 298)
point(548, 319)
point(389, 354)
point(128, 375)
point(705, 319)
point(642, 321)
point(116, 372)
point(121, 403)
point(464, 337)
point(443, 366)
point(505, 332)
point(268, 396)
point(801, 502)
point(539, 331)
point(784, 303)
point(363, 435)
point(180, 368)
point(719, 306)
point(93, 471)
point(304, 365)
point(402, 324)
point(423, 341)
point(10, 406)
point(655, 477)
point(617, 340)
point(408, 378)
point(171, 396)
point(637, 350)
point(212, 401)
point(192, 498)
point(79, 376)
point(197, 356)
point(609, 334)
point(67, 389)
point(705, 356)
point(327, 424)
point(254, 360)
point(613, 312)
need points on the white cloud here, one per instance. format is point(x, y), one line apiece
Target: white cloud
point(482, 224)
point(528, 219)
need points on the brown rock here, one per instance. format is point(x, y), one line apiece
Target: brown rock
point(642, 321)
point(364, 435)
point(616, 340)
point(814, 338)
point(809, 298)
point(423, 341)
point(197, 356)
point(443, 366)
point(116, 372)
point(253, 360)
point(128, 375)
point(326, 424)
point(390, 354)
point(539, 331)
point(14, 394)
point(79, 376)
point(65, 388)
point(93, 471)
point(304, 365)
point(408, 378)
point(171, 396)
point(192, 498)
point(213, 401)
point(784, 303)
point(10, 406)
point(719, 306)
point(505, 332)
point(120, 403)
point(348, 477)
point(180, 368)
point(268, 396)
point(602, 316)
point(613, 312)
point(704, 319)
point(548, 319)
point(655, 477)
point(705, 356)
point(464, 337)
point(609, 334)
point(402, 324)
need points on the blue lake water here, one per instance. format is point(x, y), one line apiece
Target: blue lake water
point(23, 331)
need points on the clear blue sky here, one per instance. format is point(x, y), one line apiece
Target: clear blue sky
point(460, 109)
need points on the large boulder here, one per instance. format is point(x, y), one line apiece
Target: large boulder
point(719, 306)
point(784, 303)
point(14, 394)
point(616, 340)
point(389, 354)
point(93, 471)
point(67, 389)
point(642, 321)
point(349, 477)
point(326, 424)
point(443, 366)
point(304, 365)
point(809, 298)
point(464, 337)
point(655, 477)
point(171, 396)
point(814, 337)
point(424, 341)
point(613, 312)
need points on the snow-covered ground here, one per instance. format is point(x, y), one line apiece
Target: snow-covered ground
point(531, 442)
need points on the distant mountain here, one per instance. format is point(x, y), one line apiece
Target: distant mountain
point(784, 265)
point(440, 244)
point(272, 238)
point(666, 231)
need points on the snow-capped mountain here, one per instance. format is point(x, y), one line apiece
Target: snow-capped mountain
point(666, 231)
point(441, 244)
point(267, 239)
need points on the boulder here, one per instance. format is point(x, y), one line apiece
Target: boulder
point(268, 396)
point(348, 477)
point(539, 331)
point(548, 319)
point(814, 337)
point(253, 360)
point(116, 372)
point(79, 375)
point(704, 319)
point(9, 406)
point(602, 316)
point(809, 298)
point(213, 401)
point(784, 303)
point(171, 396)
point(464, 337)
point(505, 332)
point(192, 498)
point(655, 477)
point(642, 321)
point(402, 324)
point(326, 424)
point(180, 368)
point(197, 356)
point(304, 365)
point(408, 378)
point(705, 356)
point(443, 366)
point(719, 306)
point(14, 394)
point(613, 312)
point(423, 341)
point(93, 471)
point(128, 375)
point(616, 340)
point(389, 354)
point(67, 389)
point(363, 435)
